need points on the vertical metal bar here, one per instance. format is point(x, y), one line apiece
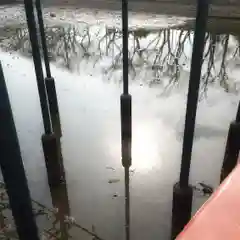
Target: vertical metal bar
point(232, 148)
point(194, 82)
point(182, 191)
point(125, 44)
point(13, 170)
point(38, 65)
point(49, 139)
point(126, 135)
point(126, 118)
point(51, 150)
point(43, 37)
point(49, 80)
point(127, 204)
point(238, 113)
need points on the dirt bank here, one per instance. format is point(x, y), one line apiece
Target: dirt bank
point(170, 7)
point(184, 8)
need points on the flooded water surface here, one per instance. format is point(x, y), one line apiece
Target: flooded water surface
point(87, 67)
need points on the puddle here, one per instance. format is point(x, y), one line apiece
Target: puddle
point(87, 65)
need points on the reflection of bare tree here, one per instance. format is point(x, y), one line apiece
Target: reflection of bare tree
point(237, 51)
point(19, 40)
point(210, 74)
point(162, 52)
point(222, 75)
point(67, 43)
point(170, 56)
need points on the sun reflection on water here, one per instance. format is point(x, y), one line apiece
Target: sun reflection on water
point(150, 142)
point(145, 150)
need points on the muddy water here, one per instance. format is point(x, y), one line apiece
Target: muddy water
point(86, 63)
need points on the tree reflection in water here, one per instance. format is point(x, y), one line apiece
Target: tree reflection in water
point(156, 56)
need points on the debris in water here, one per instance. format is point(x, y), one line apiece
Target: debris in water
point(110, 168)
point(94, 232)
point(206, 189)
point(52, 14)
point(132, 170)
point(69, 220)
point(113, 180)
point(115, 195)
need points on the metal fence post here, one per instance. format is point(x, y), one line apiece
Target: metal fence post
point(38, 65)
point(49, 139)
point(49, 80)
point(13, 170)
point(232, 147)
point(182, 191)
point(51, 93)
point(126, 118)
